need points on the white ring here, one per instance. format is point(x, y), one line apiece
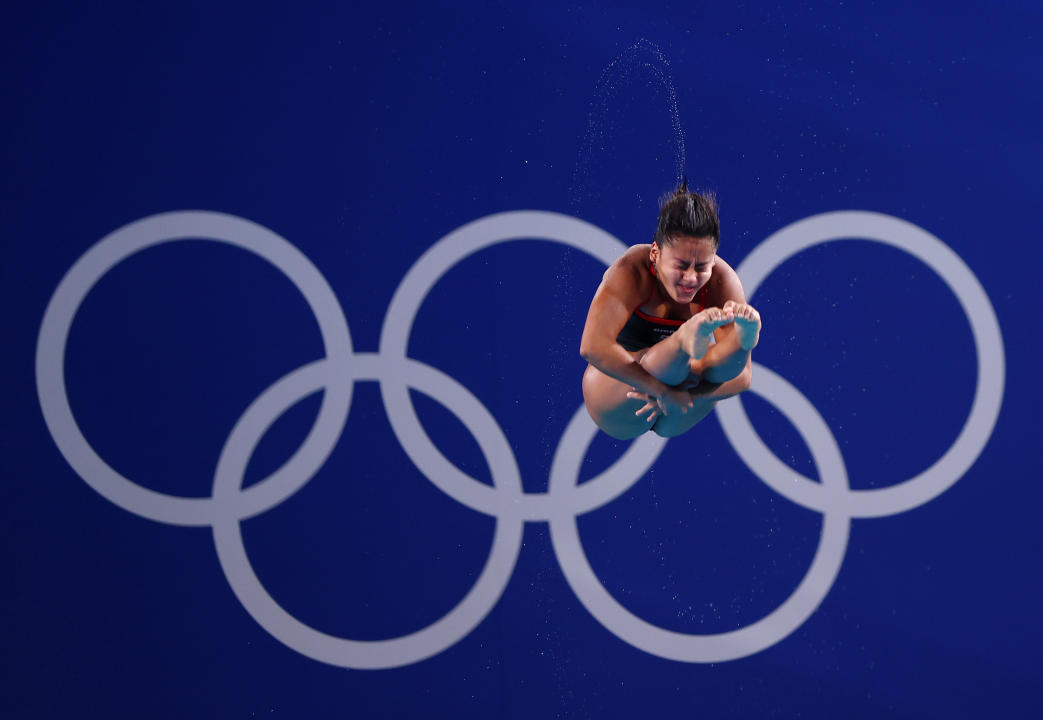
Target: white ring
point(102, 257)
point(506, 501)
point(313, 643)
point(721, 647)
point(988, 343)
point(398, 325)
point(568, 498)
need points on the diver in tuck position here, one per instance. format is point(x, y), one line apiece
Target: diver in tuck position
point(668, 334)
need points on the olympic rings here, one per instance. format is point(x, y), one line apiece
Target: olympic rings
point(383, 653)
point(506, 500)
point(109, 252)
point(988, 343)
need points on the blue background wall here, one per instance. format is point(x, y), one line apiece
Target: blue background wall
point(362, 137)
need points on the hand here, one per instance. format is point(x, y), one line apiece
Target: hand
point(671, 401)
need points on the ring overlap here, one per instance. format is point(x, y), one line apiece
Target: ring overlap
point(506, 501)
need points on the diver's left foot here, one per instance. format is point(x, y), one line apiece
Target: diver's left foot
point(747, 323)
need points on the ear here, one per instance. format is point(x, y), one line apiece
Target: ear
point(653, 253)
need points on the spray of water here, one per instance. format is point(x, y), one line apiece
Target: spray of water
point(642, 61)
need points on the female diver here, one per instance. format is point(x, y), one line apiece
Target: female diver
point(648, 333)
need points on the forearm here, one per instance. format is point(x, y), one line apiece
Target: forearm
point(617, 363)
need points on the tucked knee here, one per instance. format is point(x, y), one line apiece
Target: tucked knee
point(745, 379)
point(737, 383)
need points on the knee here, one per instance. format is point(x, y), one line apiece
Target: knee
point(739, 383)
point(745, 379)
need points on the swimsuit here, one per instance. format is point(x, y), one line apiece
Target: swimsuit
point(643, 330)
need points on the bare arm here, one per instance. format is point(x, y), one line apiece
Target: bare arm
point(714, 392)
point(614, 301)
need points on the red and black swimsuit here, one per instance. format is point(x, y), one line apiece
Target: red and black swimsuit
point(643, 330)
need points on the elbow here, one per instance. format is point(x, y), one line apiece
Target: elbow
point(587, 353)
point(591, 352)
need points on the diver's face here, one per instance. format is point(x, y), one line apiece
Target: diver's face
point(684, 266)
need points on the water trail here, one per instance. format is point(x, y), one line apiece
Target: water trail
point(641, 67)
point(642, 60)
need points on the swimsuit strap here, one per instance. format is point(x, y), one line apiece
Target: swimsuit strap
point(651, 269)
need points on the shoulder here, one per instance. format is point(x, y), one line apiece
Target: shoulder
point(627, 280)
point(635, 258)
point(630, 268)
point(723, 270)
point(725, 284)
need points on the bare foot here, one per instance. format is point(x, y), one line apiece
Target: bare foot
point(697, 332)
point(747, 323)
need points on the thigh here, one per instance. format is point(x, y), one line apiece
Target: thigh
point(607, 402)
point(674, 425)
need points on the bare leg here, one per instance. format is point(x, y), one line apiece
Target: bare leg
point(607, 402)
point(684, 356)
point(676, 424)
point(729, 357)
point(717, 369)
point(670, 360)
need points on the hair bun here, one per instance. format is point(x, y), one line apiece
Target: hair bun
point(687, 213)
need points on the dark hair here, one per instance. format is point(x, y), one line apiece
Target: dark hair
point(687, 213)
